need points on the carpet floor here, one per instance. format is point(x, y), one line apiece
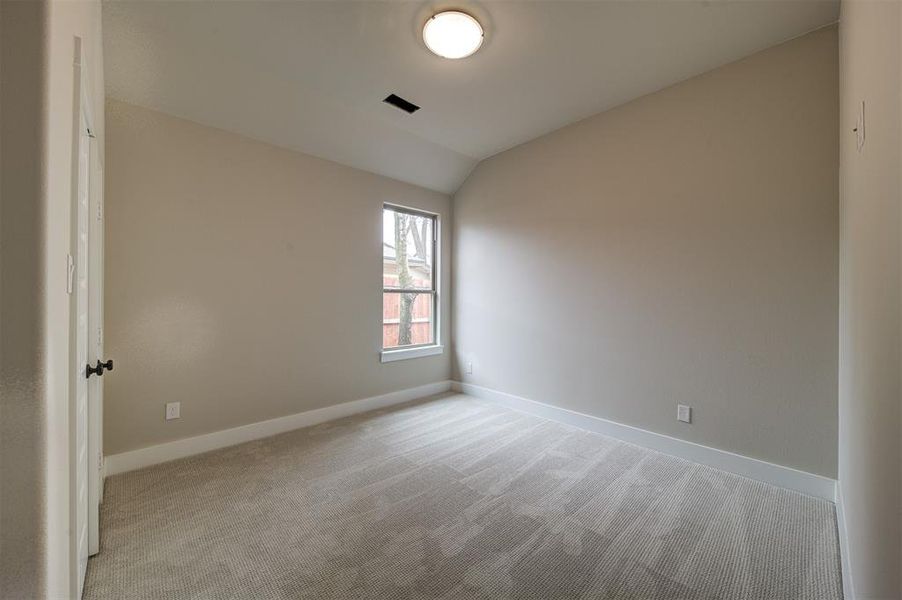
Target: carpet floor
point(456, 498)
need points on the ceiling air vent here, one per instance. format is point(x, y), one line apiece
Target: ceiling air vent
point(399, 102)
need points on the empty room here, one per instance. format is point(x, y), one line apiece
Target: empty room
point(485, 299)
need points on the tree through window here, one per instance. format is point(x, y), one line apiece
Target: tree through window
point(408, 278)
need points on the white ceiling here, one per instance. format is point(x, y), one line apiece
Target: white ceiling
point(311, 75)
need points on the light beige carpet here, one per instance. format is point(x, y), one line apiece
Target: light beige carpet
point(456, 498)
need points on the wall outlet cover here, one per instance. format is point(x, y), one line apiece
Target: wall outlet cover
point(684, 413)
point(173, 410)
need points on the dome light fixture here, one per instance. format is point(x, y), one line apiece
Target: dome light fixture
point(453, 34)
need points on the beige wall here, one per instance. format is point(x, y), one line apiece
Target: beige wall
point(681, 248)
point(242, 280)
point(22, 395)
point(869, 309)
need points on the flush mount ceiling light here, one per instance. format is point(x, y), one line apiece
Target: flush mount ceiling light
point(453, 34)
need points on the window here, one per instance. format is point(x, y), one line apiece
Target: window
point(409, 291)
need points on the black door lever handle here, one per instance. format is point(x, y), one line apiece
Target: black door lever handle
point(98, 369)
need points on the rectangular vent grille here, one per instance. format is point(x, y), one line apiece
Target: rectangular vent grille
point(399, 102)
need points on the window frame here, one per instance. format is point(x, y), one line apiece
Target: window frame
point(434, 347)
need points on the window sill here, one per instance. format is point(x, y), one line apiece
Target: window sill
point(405, 353)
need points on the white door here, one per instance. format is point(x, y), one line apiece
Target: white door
point(86, 286)
point(95, 349)
point(81, 349)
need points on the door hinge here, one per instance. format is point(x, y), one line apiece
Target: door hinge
point(99, 338)
point(100, 211)
point(70, 273)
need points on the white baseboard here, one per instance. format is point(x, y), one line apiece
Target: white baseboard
point(143, 457)
point(786, 477)
point(759, 470)
point(848, 589)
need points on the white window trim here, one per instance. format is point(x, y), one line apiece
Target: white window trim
point(406, 353)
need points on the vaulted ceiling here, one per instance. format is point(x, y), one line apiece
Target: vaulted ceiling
point(311, 75)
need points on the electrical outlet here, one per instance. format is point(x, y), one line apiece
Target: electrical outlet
point(684, 413)
point(469, 367)
point(173, 410)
